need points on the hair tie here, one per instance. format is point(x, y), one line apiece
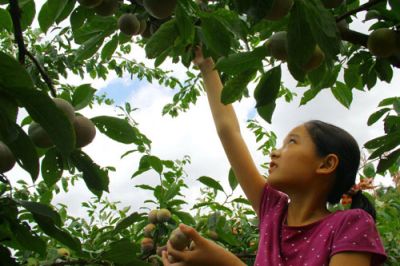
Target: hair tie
point(365, 183)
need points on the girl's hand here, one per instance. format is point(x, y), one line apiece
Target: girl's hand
point(205, 252)
point(205, 64)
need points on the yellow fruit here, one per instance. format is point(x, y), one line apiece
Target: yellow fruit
point(85, 131)
point(277, 46)
point(163, 215)
point(332, 3)
point(316, 59)
point(160, 8)
point(107, 8)
point(90, 3)
point(179, 240)
point(7, 159)
point(39, 136)
point(129, 24)
point(63, 252)
point(148, 230)
point(66, 107)
point(279, 9)
point(383, 42)
point(152, 216)
point(147, 245)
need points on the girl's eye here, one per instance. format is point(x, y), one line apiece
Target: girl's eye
point(292, 140)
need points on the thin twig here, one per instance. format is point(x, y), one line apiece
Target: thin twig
point(15, 12)
point(42, 72)
point(363, 7)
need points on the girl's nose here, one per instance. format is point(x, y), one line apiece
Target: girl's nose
point(275, 153)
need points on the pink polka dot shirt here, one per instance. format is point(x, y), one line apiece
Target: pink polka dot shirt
point(313, 244)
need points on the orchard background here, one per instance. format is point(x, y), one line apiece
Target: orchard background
point(66, 205)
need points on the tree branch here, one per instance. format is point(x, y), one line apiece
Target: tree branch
point(15, 12)
point(43, 73)
point(363, 7)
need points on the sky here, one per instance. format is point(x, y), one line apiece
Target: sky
point(193, 133)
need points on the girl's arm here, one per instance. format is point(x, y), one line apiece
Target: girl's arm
point(227, 125)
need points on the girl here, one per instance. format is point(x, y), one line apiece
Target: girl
point(317, 163)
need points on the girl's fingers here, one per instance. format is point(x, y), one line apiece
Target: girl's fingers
point(165, 260)
point(191, 233)
point(179, 255)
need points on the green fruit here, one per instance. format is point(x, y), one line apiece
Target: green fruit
point(85, 131)
point(279, 9)
point(277, 45)
point(63, 252)
point(160, 8)
point(179, 240)
point(39, 136)
point(147, 245)
point(66, 107)
point(107, 8)
point(152, 216)
point(147, 32)
point(163, 215)
point(316, 59)
point(148, 230)
point(90, 3)
point(332, 3)
point(129, 24)
point(7, 159)
point(383, 42)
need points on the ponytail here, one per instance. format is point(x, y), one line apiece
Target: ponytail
point(360, 201)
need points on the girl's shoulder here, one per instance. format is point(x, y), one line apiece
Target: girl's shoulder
point(352, 215)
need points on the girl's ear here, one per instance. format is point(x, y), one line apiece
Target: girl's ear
point(328, 164)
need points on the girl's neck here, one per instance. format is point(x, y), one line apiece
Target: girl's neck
point(304, 215)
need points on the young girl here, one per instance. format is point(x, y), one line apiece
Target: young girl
point(317, 163)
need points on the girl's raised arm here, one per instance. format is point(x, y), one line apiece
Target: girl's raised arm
point(227, 125)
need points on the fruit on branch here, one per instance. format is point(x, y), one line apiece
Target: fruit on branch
point(85, 131)
point(163, 215)
point(277, 45)
point(279, 9)
point(383, 42)
point(63, 252)
point(142, 26)
point(39, 136)
point(147, 31)
point(332, 3)
point(160, 8)
point(152, 216)
point(90, 3)
point(148, 230)
point(7, 159)
point(315, 60)
point(107, 7)
point(66, 107)
point(179, 240)
point(129, 24)
point(147, 245)
point(342, 26)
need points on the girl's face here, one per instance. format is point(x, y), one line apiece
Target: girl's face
point(296, 162)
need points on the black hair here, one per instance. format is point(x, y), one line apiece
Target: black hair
point(330, 139)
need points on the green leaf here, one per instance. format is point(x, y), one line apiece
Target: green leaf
point(234, 88)
point(309, 95)
point(352, 76)
point(375, 143)
point(122, 252)
point(184, 23)
point(386, 163)
point(9, 106)
point(232, 179)
point(5, 20)
point(391, 141)
point(216, 36)
point(210, 182)
point(155, 163)
point(13, 74)
point(42, 210)
point(342, 93)
point(268, 87)
point(89, 47)
point(6, 258)
point(82, 96)
point(109, 48)
point(185, 217)
point(378, 114)
point(144, 165)
point(127, 221)
point(50, 12)
point(239, 62)
point(384, 70)
point(96, 179)
point(78, 17)
point(162, 39)
point(266, 111)
point(369, 170)
point(388, 101)
point(28, 12)
point(52, 167)
point(116, 128)
point(66, 11)
point(26, 238)
point(242, 201)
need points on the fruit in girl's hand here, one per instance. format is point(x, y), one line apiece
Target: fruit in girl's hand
point(7, 159)
point(66, 107)
point(39, 136)
point(148, 230)
point(107, 8)
point(152, 216)
point(179, 240)
point(85, 131)
point(129, 24)
point(147, 245)
point(160, 250)
point(160, 9)
point(332, 3)
point(89, 3)
point(163, 215)
point(279, 9)
point(383, 42)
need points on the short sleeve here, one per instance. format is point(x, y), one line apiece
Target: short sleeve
point(270, 198)
point(357, 232)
